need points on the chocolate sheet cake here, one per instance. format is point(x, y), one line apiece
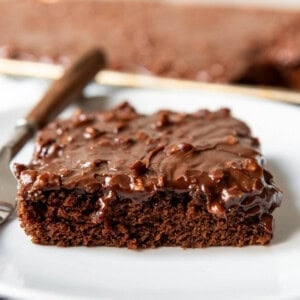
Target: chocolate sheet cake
point(216, 44)
point(119, 178)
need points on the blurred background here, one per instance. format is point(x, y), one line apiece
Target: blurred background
point(238, 42)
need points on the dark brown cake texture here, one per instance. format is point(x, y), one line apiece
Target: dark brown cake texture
point(119, 178)
point(205, 43)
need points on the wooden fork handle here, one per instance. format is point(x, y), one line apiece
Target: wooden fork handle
point(61, 92)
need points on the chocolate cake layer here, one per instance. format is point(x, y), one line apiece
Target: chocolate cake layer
point(216, 44)
point(118, 178)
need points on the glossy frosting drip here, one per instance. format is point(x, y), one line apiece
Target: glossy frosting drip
point(120, 151)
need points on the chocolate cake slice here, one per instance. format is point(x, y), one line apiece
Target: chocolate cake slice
point(119, 178)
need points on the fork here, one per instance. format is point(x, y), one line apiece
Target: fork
point(60, 94)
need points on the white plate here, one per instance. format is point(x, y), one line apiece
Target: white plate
point(39, 272)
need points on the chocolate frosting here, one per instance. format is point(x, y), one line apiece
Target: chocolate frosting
point(121, 151)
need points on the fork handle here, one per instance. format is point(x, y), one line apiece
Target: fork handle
point(61, 93)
